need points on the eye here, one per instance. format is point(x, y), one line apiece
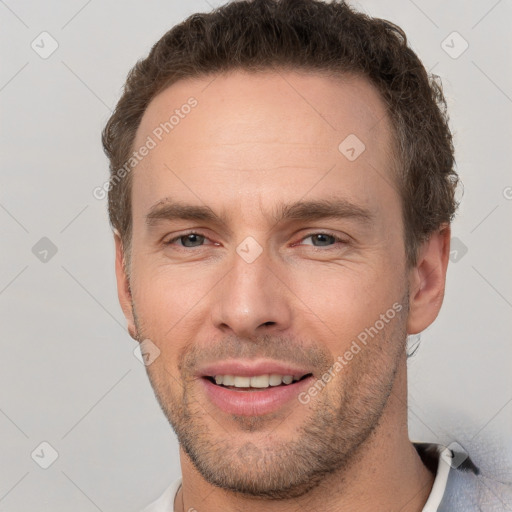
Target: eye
point(190, 240)
point(193, 239)
point(323, 239)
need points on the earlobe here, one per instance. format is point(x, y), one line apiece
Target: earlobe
point(427, 280)
point(123, 286)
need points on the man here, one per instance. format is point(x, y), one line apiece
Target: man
point(281, 191)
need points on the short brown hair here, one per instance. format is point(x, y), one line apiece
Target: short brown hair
point(305, 35)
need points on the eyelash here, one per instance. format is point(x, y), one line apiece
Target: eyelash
point(337, 239)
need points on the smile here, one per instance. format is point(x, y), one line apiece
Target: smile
point(241, 382)
point(254, 395)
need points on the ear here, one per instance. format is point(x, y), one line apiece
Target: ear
point(427, 280)
point(123, 286)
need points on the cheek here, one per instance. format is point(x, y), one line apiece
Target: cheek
point(167, 299)
point(342, 302)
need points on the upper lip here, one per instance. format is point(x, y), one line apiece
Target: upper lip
point(248, 368)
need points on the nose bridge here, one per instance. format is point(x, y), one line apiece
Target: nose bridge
point(251, 298)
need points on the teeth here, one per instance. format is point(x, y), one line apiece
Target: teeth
point(257, 381)
point(261, 381)
point(228, 380)
point(275, 380)
point(241, 382)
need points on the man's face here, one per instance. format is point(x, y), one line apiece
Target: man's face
point(268, 291)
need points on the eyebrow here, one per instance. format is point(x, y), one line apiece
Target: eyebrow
point(323, 209)
point(169, 210)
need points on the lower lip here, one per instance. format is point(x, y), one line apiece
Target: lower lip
point(254, 403)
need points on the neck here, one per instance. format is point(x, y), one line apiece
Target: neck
point(385, 474)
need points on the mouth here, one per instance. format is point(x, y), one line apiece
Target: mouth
point(255, 382)
point(248, 392)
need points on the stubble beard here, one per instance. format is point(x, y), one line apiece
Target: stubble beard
point(333, 433)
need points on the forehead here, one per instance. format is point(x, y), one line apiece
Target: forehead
point(257, 128)
point(327, 103)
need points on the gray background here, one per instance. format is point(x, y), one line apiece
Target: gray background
point(68, 374)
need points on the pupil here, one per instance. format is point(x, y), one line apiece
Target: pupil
point(318, 237)
point(192, 237)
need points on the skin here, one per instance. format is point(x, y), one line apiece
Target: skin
point(255, 141)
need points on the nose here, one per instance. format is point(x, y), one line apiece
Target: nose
point(252, 299)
